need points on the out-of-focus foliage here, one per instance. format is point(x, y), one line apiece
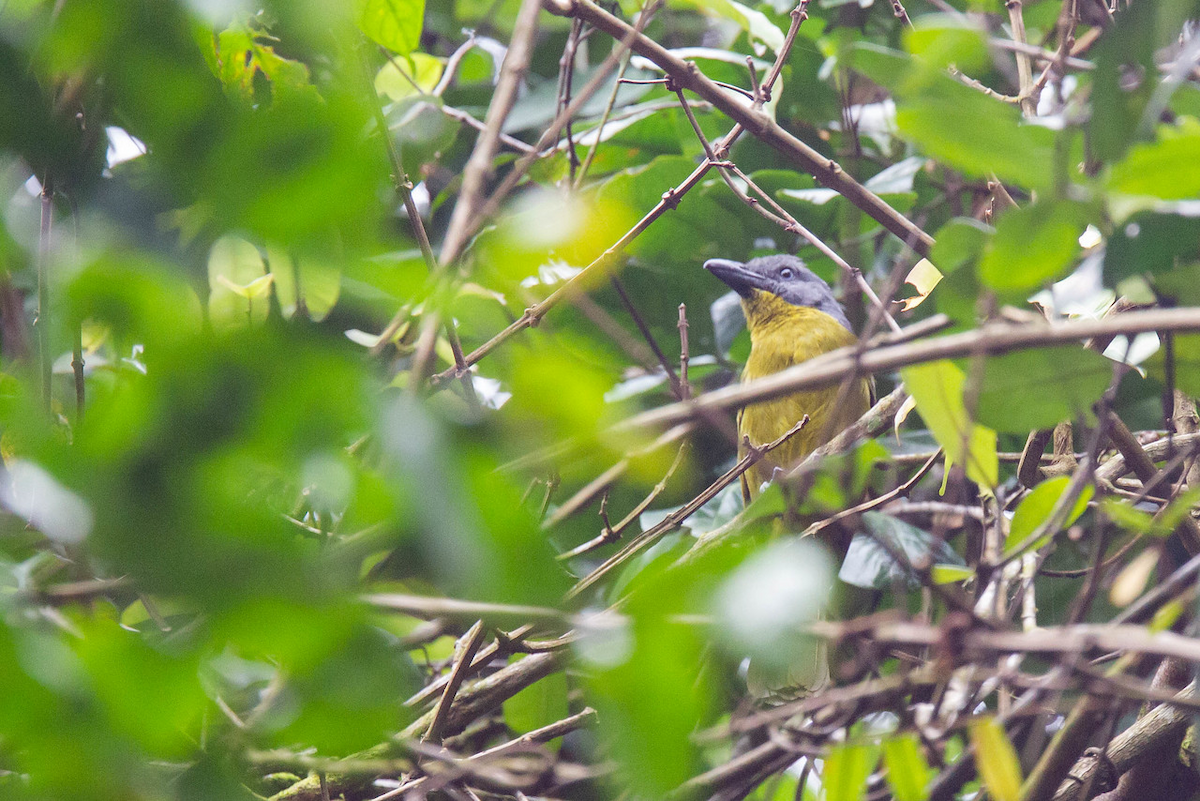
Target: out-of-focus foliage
point(236, 429)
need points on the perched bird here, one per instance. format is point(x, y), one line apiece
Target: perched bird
point(792, 316)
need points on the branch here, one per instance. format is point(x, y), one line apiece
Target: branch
point(757, 122)
point(990, 339)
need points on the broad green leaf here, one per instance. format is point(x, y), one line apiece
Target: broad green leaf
point(1149, 243)
point(884, 66)
point(1033, 245)
point(405, 76)
point(847, 769)
point(754, 23)
point(1186, 363)
point(908, 773)
point(234, 265)
point(1040, 388)
point(539, 704)
point(1036, 507)
point(869, 563)
point(315, 282)
point(959, 242)
point(996, 759)
point(938, 390)
point(1168, 169)
point(395, 24)
point(965, 129)
point(943, 41)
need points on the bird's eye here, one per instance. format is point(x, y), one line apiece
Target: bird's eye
point(786, 273)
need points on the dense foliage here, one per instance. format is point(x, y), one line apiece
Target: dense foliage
point(365, 405)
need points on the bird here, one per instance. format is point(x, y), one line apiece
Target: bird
point(792, 317)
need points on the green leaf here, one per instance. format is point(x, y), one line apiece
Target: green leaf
point(847, 769)
point(315, 282)
point(1040, 388)
point(234, 266)
point(996, 759)
point(1035, 508)
point(1178, 509)
point(942, 40)
point(539, 704)
point(1033, 245)
point(959, 242)
point(950, 574)
point(967, 130)
point(1150, 242)
point(405, 76)
point(937, 388)
point(1187, 364)
point(1126, 516)
point(754, 23)
point(240, 58)
point(907, 771)
point(884, 66)
point(1168, 169)
point(395, 24)
point(869, 563)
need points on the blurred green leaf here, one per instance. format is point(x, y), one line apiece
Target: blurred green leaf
point(908, 773)
point(976, 134)
point(959, 242)
point(1126, 516)
point(942, 40)
point(405, 76)
point(539, 704)
point(847, 769)
point(310, 282)
point(1036, 507)
point(1168, 169)
point(1040, 388)
point(996, 758)
point(151, 697)
point(395, 24)
point(1033, 245)
point(1151, 242)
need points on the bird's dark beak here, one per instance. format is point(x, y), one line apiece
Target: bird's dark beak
point(735, 274)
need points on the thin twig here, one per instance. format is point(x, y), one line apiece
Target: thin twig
point(828, 172)
point(613, 533)
point(684, 387)
point(470, 645)
point(753, 455)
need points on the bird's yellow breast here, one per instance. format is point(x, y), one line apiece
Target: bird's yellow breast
point(782, 335)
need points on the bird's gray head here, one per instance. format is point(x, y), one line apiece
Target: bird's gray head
point(781, 275)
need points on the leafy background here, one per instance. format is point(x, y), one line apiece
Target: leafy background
point(241, 479)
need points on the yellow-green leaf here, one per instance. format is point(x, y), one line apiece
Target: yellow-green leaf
point(907, 771)
point(847, 769)
point(996, 759)
point(395, 24)
point(938, 390)
point(1036, 507)
point(406, 76)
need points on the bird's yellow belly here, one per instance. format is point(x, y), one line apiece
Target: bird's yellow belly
point(766, 422)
